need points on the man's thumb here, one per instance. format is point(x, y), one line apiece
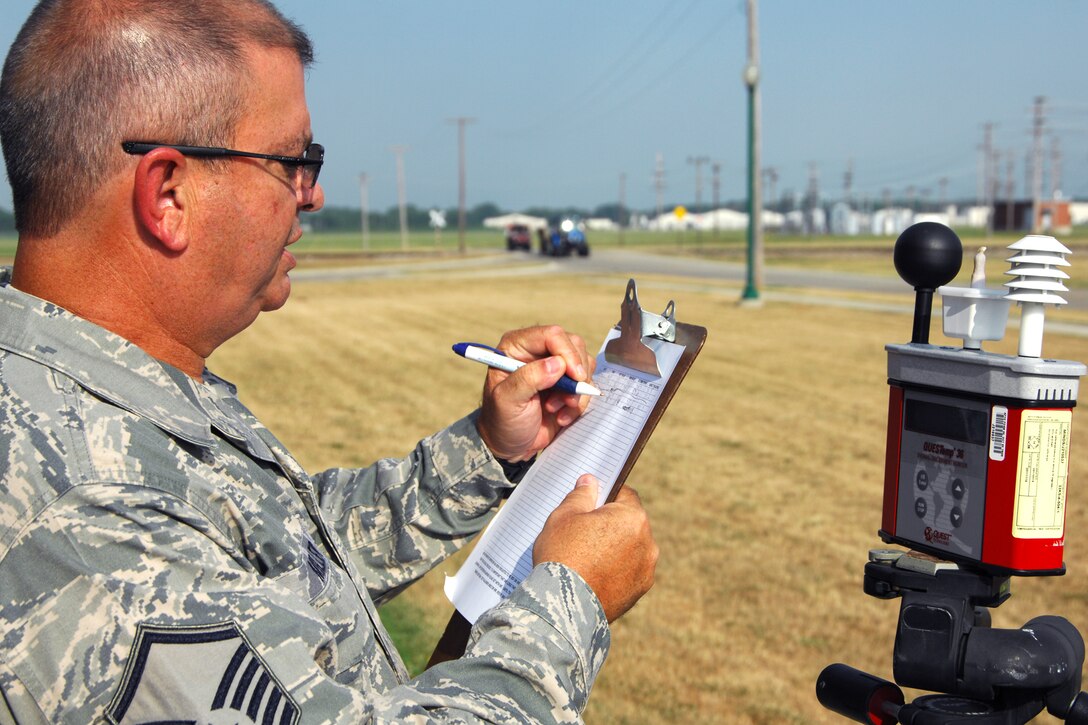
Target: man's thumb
point(584, 496)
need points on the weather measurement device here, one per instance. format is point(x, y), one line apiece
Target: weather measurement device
point(978, 443)
point(975, 485)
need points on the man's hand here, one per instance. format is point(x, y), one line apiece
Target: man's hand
point(520, 416)
point(611, 547)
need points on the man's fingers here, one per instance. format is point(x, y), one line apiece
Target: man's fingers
point(628, 497)
point(533, 378)
point(583, 498)
point(521, 411)
point(578, 364)
point(551, 340)
point(612, 547)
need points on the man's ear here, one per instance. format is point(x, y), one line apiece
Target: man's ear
point(159, 197)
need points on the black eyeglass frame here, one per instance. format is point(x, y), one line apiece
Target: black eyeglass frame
point(306, 161)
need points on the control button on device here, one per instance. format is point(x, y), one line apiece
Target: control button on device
point(922, 479)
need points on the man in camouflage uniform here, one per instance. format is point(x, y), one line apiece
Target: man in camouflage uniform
point(162, 556)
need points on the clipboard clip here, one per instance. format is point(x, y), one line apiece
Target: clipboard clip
point(630, 348)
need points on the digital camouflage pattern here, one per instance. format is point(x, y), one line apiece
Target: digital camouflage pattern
point(163, 557)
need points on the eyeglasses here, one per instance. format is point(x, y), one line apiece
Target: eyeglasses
point(310, 161)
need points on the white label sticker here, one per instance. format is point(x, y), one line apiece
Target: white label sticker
point(1042, 473)
point(999, 422)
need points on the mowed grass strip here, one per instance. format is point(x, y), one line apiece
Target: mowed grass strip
point(763, 480)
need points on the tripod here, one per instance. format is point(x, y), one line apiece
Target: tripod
point(944, 643)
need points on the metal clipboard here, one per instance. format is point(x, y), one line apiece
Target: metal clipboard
point(629, 350)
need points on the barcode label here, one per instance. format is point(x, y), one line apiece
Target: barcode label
point(999, 423)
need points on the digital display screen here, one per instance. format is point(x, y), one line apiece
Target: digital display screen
point(947, 421)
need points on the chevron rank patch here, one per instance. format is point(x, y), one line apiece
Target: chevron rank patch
point(205, 674)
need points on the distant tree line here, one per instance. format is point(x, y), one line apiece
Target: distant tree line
point(342, 218)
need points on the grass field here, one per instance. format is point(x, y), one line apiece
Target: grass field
point(763, 481)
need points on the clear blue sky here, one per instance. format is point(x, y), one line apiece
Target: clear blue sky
point(566, 95)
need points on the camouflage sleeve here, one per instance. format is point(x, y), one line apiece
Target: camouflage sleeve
point(139, 609)
point(16, 704)
point(399, 518)
point(120, 603)
point(539, 651)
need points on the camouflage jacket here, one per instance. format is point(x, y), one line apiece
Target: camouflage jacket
point(164, 558)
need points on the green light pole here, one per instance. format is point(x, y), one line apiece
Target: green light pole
point(754, 278)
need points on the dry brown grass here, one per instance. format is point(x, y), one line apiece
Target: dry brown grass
point(763, 481)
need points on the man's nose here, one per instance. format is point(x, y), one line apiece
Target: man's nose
point(313, 199)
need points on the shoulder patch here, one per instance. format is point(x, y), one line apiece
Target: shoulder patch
point(202, 674)
point(319, 568)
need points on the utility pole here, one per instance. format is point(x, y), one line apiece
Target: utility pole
point(623, 205)
point(698, 161)
point(716, 183)
point(716, 170)
point(755, 201)
point(1027, 173)
point(461, 121)
point(811, 201)
point(364, 198)
point(770, 177)
point(1010, 163)
point(987, 160)
point(1055, 167)
point(401, 194)
point(848, 183)
point(1037, 163)
point(659, 182)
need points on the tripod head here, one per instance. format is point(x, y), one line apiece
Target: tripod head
point(944, 643)
point(975, 485)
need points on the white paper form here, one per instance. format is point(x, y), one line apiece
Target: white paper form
point(599, 442)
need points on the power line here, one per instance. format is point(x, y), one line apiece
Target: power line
point(584, 117)
point(636, 49)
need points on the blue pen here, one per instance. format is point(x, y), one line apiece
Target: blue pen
point(493, 358)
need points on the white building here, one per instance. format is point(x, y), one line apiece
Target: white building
point(717, 219)
point(1078, 213)
point(502, 222)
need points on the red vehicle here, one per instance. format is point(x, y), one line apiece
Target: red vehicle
point(518, 237)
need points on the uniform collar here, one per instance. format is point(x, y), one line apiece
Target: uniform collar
point(103, 363)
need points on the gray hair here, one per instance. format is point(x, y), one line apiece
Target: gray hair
point(84, 75)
